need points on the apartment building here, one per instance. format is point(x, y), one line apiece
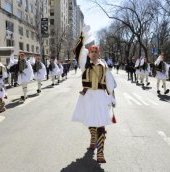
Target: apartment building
point(64, 20)
point(19, 25)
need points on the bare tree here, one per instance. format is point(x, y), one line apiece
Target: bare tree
point(136, 15)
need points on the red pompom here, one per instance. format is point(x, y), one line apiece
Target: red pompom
point(113, 119)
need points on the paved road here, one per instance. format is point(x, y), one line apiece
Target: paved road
point(38, 136)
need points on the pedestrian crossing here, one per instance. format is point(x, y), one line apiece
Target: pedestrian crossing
point(136, 99)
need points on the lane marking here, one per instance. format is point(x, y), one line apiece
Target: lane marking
point(2, 118)
point(153, 102)
point(164, 137)
point(140, 99)
point(130, 99)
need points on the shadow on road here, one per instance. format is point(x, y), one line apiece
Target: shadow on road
point(47, 87)
point(32, 95)
point(164, 98)
point(85, 164)
point(146, 88)
point(14, 104)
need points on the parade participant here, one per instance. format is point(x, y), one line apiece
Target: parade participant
point(3, 75)
point(94, 105)
point(60, 66)
point(145, 70)
point(54, 70)
point(13, 69)
point(109, 63)
point(117, 67)
point(65, 70)
point(132, 70)
point(75, 65)
point(25, 74)
point(161, 72)
point(39, 72)
point(138, 65)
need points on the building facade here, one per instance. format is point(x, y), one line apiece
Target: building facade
point(20, 22)
point(58, 27)
point(64, 33)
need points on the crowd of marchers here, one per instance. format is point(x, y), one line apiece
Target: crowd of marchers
point(22, 70)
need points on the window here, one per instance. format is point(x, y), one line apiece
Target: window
point(51, 21)
point(46, 51)
point(32, 35)
point(9, 26)
point(26, 6)
point(28, 47)
point(8, 6)
point(31, 8)
point(20, 29)
point(19, 2)
point(32, 48)
point(37, 49)
point(31, 21)
point(26, 17)
point(21, 46)
point(27, 33)
point(9, 43)
point(51, 13)
point(52, 41)
point(19, 14)
point(52, 32)
point(47, 42)
point(52, 2)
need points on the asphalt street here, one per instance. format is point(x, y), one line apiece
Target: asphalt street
point(39, 136)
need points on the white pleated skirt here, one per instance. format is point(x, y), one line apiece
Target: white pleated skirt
point(161, 75)
point(93, 109)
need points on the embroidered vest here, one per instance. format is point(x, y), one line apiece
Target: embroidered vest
point(161, 67)
point(94, 77)
point(22, 65)
point(37, 66)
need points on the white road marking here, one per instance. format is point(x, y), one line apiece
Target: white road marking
point(2, 118)
point(140, 99)
point(164, 137)
point(130, 99)
point(151, 101)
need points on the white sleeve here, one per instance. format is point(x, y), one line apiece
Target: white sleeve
point(83, 58)
point(111, 85)
point(5, 74)
point(110, 81)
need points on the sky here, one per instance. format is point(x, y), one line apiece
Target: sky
point(94, 16)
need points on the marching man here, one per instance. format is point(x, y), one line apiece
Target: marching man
point(95, 102)
point(60, 66)
point(39, 72)
point(25, 74)
point(145, 70)
point(54, 70)
point(138, 69)
point(3, 75)
point(161, 73)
